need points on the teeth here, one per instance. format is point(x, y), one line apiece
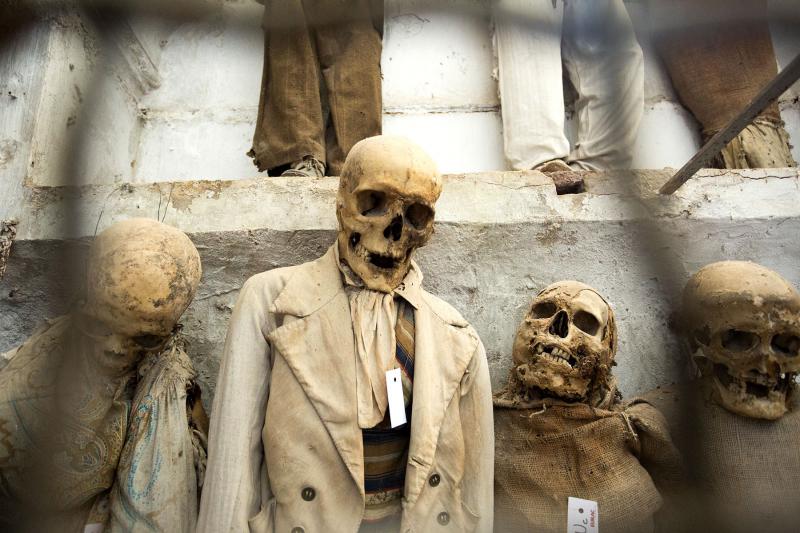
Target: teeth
point(364, 254)
point(539, 348)
point(553, 358)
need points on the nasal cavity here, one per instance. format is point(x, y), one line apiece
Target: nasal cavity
point(560, 325)
point(395, 228)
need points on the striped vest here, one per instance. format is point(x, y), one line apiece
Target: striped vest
point(386, 449)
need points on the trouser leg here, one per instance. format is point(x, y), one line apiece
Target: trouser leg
point(604, 63)
point(528, 43)
point(290, 124)
point(349, 50)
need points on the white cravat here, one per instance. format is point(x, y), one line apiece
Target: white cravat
point(374, 317)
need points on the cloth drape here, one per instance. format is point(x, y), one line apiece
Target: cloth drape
point(374, 316)
point(156, 487)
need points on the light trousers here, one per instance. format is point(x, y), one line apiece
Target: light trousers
point(595, 42)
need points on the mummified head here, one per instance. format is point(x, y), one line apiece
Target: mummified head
point(565, 345)
point(385, 207)
point(141, 277)
point(742, 322)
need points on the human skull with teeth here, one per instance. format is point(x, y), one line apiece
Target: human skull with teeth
point(742, 322)
point(385, 207)
point(565, 345)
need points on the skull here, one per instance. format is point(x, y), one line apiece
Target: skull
point(742, 322)
point(385, 208)
point(565, 345)
point(142, 275)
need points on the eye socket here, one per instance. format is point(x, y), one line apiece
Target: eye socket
point(544, 310)
point(587, 322)
point(703, 336)
point(419, 215)
point(148, 341)
point(737, 340)
point(371, 203)
point(786, 344)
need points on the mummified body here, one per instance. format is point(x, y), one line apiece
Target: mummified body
point(561, 429)
point(738, 425)
point(94, 427)
point(301, 437)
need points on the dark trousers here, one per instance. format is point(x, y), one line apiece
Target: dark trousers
point(317, 52)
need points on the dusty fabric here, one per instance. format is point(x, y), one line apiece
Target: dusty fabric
point(374, 318)
point(762, 144)
point(386, 448)
point(64, 403)
point(718, 64)
point(550, 451)
point(745, 471)
point(285, 414)
point(317, 53)
point(156, 487)
point(593, 41)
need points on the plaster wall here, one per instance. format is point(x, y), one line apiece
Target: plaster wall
point(500, 238)
point(196, 121)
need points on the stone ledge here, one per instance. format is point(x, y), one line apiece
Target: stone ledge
point(289, 204)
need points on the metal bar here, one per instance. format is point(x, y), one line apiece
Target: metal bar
point(734, 127)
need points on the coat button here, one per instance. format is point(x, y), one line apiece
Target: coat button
point(443, 518)
point(434, 480)
point(298, 529)
point(308, 494)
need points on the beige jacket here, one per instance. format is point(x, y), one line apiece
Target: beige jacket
point(285, 449)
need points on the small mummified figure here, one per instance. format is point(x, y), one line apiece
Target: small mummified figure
point(101, 426)
point(306, 434)
point(561, 429)
point(738, 424)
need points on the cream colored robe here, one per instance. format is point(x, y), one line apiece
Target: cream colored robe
point(284, 417)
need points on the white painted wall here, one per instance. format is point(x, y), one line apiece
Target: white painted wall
point(438, 89)
point(198, 123)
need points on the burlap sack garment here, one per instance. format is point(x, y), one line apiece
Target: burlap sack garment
point(549, 450)
point(719, 55)
point(745, 471)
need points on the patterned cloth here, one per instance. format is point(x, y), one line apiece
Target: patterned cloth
point(386, 449)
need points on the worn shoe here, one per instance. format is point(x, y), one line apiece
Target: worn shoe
point(554, 165)
point(566, 179)
point(307, 167)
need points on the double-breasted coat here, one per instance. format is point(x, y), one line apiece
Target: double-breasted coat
point(285, 449)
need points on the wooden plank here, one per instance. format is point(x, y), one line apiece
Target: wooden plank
point(734, 127)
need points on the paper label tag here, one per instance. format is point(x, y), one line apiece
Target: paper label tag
point(394, 389)
point(582, 516)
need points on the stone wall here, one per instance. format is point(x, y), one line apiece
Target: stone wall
point(500, 237)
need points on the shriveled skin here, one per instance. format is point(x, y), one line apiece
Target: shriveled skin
point(385, 207)
point(742, 323)
point(565, 345)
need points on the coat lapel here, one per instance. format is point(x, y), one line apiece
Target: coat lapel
point(444, 346)
point(319, 349)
